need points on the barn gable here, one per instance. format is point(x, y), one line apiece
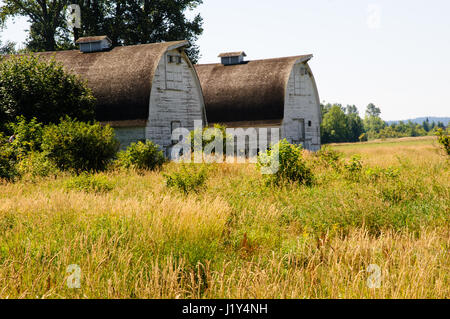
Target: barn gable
point(141, 90)
point(265, 93)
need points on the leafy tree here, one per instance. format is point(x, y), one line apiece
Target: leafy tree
point(46, 17)
point(354, 123)
point(7, 48)
point(335, 127)
point(372, 110)
point(426, 125)
point(373, 123)
point(42, 89)
point(126, 22)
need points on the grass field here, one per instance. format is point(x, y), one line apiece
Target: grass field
point(238, 238)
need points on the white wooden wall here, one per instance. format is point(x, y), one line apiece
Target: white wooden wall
point(302, 105)
point(129, 135)
point(176, 96)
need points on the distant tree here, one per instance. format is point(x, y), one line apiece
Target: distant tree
point(8, 47)
point(373, 123)
point(335, 127)
point(433, 125)
point(426, 125)
point(33, 88)
point(355, 126)
point(372, 110)
point(351, 109)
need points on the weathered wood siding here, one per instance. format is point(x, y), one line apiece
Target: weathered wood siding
point(176, 97)
point(301, 123)
point(129, 135)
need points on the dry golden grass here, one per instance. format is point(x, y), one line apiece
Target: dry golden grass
point(237, 239)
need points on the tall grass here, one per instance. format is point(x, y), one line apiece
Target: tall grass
point(239, 238)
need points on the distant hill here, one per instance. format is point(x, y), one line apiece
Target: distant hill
point(420, 120)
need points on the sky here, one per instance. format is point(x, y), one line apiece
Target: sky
point(395, 54)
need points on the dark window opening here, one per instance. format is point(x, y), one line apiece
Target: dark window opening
point(174, 59)
point(309, 123)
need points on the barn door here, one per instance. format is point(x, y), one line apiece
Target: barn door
point(299, 131)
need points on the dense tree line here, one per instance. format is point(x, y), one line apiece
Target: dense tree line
point(343, 124)
point(126, 22)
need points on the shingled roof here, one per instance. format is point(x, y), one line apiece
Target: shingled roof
point(120, 79)
point(93, 39)
point(252, 91)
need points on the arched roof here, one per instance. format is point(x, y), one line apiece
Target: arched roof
point(251, 91)
point(120, 79)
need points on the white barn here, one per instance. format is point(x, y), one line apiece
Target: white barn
point(273, 93)
point(143, 91)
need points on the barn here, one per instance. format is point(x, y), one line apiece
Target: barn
point(143, 91)
point(276, 93)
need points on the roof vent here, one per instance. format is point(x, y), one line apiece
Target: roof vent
point(94, 44)
point(232, 58)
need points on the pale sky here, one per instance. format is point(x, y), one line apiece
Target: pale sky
point(393, 53)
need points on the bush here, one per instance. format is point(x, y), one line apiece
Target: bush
point(36, 164)
point(79, 146)
point(141, 156)
point(289, 164)
point(8, 170)
point(329, 157)
point(353, 168)
point(444, 139)
point(42, 89)
point(376, 173)
point(189, 178)
point(89, 183)
point(28, 136)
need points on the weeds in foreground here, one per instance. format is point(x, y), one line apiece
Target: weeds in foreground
point(238, 237)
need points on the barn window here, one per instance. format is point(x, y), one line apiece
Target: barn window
point(309, 123)
point(174, 80)
point(174, 59)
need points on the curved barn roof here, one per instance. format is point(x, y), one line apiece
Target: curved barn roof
point(120, 79)
point(251, 91)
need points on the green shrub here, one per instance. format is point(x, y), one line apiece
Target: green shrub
point(79, 146)
point(285, 162)
point(141, 156)
point(89, 183)
point(353, 168)
point(188, 178)
point(36, 164)
point(32, 88)
point(444, 139)
point(28, 136)
point(8, 170)
point(363, 137)
point(329, 157)
point(376, 173)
